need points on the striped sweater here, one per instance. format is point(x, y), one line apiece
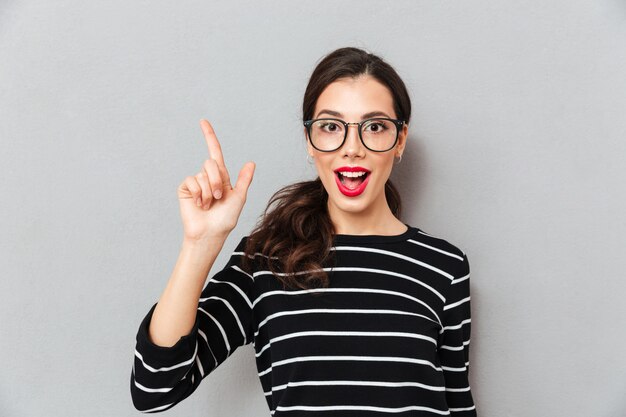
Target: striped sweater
point(389, 336)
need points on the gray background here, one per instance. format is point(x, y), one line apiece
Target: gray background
point(516, 154)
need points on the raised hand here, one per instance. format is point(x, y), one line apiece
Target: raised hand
point(209, 205)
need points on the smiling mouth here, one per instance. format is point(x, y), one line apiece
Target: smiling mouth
point(351, 182)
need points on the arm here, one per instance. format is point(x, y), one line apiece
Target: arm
point(175, 313)
point(454, 343)
point(178, 348)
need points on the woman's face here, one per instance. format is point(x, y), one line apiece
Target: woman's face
point(354, 100)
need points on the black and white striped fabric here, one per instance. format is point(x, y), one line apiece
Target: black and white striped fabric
point(390, 336)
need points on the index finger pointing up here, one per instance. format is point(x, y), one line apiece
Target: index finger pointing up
point(215, 150)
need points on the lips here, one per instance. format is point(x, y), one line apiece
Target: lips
point(352, 192)
point(352, 169)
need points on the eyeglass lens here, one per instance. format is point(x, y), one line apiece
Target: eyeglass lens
point(377, 134)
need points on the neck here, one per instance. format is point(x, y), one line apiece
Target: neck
point(377, 219)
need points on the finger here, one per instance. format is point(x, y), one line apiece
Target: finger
point(215, 150)
point(213, 174)
point(193, 188)
point(206, 196)
point(245, 178)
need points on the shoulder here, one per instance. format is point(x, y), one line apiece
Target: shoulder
point(441, 253)
point(238, 251)
point(438, 243)
point(242, 242)
point(247, 255)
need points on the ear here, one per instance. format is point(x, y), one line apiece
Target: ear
point(402, 137)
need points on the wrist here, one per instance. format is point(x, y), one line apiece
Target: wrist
point(215, 241)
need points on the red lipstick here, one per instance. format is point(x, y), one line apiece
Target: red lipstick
point(344, 189)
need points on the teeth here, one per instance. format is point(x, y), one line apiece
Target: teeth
point(352, 174)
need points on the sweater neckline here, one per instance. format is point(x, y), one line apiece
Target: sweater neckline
point(410, 232)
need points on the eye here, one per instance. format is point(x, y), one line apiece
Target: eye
point(376, 126)
point(330, 126)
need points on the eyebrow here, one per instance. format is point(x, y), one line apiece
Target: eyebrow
point(363, 117)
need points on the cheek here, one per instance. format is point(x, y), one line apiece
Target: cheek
point(384, 166)
point(326, 173)
point(383, 174)
point(324, 168)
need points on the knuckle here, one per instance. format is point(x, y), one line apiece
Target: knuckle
point(216, 181)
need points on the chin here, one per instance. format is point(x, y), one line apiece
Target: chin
point(352, 206)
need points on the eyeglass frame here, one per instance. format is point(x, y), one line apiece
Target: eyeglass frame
point(399, 123)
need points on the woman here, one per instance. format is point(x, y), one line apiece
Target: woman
point(351, 312)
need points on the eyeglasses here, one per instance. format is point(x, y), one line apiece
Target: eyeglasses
point(379, 134)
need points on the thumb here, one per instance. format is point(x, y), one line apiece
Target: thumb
point(245, 178)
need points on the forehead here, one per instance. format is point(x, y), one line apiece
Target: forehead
point(353, 97)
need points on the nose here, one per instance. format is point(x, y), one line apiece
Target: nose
point(353, 143)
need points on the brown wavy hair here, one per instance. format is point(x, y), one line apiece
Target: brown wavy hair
point(295, 232)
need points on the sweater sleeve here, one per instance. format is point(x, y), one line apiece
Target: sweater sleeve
point(454, 344)
point(162, 376)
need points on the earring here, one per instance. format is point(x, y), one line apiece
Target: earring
point(399, 159)
point(310, 161)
